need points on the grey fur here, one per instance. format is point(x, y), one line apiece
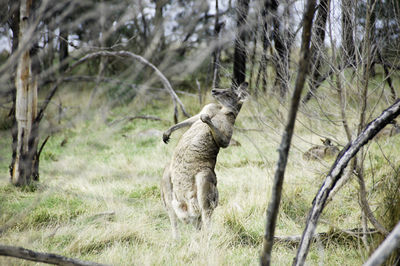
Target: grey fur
point(189, 184)
point(321, 151)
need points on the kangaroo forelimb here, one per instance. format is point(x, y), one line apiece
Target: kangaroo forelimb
point(186, 123)
point(221, 139)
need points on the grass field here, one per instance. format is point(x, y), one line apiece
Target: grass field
point(98, 197)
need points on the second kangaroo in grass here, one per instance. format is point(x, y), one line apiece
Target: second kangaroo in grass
point(321, 151)
point(189, 185)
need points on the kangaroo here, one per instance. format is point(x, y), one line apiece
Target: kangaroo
point(321, 151)
point(189, 184)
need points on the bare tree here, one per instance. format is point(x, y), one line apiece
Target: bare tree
point(262, 70)
point(273, 206)
point(282, 43)
point(25, 164)
point(217, 51)
point(240, 54)
point(347, 32)
point(14, 26)
point(317, 47)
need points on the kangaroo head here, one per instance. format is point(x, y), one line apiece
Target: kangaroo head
point(231, 98)
point(327, 142)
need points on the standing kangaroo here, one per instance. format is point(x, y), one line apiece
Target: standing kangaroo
point(189, 185)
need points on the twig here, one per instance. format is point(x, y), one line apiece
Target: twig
point(388, 78)
point(50, 258)
point(367, 210)
point(130, 118)
point(42, 146)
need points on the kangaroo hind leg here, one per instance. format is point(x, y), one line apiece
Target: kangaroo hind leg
point(207, 195)
point(166, 196)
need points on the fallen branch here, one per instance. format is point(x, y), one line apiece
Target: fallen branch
point(335, 174)
point(386, 248)
point(50, 258)
point(324, 236)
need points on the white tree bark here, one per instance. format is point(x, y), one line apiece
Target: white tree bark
point(26, 103)
point(386, 248)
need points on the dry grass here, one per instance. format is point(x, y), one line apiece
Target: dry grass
point(98, 198)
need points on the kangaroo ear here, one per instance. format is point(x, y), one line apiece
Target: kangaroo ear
point(243, 86)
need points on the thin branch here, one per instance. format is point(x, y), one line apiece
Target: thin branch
point(367, 210)
point(130, 118)
point(50, 258)
point(387, 75)
point(42, 146)
point(273, 207)
point(335, 174)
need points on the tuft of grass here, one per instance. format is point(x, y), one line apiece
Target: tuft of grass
point(145, 193)
point(53, 210)
point(242, 235)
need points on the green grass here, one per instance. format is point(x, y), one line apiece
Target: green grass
point(98, 198)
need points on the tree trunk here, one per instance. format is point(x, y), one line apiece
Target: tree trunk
point(281, 58)
point(24, 168)
point(14, 25)
point(347, 32)
point(239, 63)
point(262, 71)
point(63, 49)
point(317, 47)
point(217, 51)
point(158, 43)
point(253, 54)
point(273, 206)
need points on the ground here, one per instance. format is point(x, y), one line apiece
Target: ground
point(98, 198)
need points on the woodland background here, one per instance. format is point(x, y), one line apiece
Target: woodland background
point(87, 88)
